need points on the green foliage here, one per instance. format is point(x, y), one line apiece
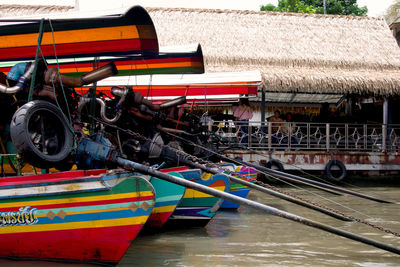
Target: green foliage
point(392, 14)
point(340, 7)
point(269, 7)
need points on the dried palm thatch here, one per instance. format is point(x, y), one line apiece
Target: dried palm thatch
point(22, 10)
point(295, 52)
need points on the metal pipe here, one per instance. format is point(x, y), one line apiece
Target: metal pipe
point(52, 75)
point(173, 102)
point(246, 202)
point(295, 178)
point(103, 114)
point(84, 100)
point(22, 83)
point(266, 190)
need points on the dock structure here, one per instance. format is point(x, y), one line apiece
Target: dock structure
point(337, 75)
point(311, 146)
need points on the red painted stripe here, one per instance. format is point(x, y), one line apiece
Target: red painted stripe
point(83, 204)
point(84, 48)
point(180, 90)
point(107, 244)
point(217, 183)
point(171, 91)
point(51, 177)
point(158, 219)
point(121, 62)
point(176, 169)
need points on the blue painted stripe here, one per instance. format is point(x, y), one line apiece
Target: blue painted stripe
point(166, 203)
point(95, 216)
point(55, 193)
point(240, 189)
point(89, 208)
point(36, 184)
point(192, 174)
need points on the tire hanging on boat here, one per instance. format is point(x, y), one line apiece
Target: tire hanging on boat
point(335, 170)
point(275, 165)
point(40, 134)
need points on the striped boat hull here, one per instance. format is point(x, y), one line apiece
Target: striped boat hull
point(247, 174)
point(76, 216)
point(131, 33)
point(185, 62)
point(168, 196)
point(198, 208)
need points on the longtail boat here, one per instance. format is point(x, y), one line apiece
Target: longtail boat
point(243, 172)
point(196, 87)
point(168, 196)
point(129, 33)
point(196, 208)
point(170, 60)
point(89, 216)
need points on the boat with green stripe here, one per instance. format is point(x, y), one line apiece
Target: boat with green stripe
point(88, 216)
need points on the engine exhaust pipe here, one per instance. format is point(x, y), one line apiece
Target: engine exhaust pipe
point(53, 76)
point(173, 102)
point(22, 83)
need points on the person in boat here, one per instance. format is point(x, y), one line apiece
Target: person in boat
point(276, 126)
point(289, 128)
point(242, 114)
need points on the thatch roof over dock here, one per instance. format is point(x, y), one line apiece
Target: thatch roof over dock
point(294, 52)
point(23, 10)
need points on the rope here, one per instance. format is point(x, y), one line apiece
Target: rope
point(58, 68)
point(39, 42)
point(295, 196)
point(69, 118)
point(181, 110)
point(260, 153)
point(202, 161)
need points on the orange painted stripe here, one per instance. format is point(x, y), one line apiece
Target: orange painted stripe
point(78, 36)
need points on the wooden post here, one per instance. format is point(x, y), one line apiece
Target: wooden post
point(262, 108)
point(327, 136)
point(385, 120)
point(269, 135)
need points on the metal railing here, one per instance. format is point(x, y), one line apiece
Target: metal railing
point(310, 136)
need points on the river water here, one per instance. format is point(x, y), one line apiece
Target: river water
point(251, 238)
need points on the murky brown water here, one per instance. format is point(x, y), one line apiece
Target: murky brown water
point(250, 238)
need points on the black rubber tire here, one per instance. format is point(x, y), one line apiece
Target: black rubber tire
point(331, 175)
point(275, 165)
point(29, 143)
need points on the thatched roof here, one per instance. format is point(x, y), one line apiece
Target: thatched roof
point(294, 52)
point(23, 10)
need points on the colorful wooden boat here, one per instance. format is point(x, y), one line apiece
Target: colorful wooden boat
point(170, 60)
point(130, 33)
point(89, 216)
point(168, 196)
point(197, 88)
point(196, 208)
point(248, 174)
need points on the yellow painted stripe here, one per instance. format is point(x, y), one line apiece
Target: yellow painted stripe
point(75, 200)
point(75, 36)
point(163, 209)
point(86, 212)
point(190, 193)
point(73, 225)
